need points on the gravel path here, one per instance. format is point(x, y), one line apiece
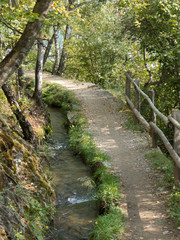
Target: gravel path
point(142, 201)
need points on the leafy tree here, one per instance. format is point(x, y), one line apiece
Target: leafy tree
point(95, 52)
point(155, 24)
point(14, 59)
point(19, 51)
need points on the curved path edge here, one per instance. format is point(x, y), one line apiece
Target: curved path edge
point(143, 202)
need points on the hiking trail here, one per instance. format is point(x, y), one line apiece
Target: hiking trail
point(143, 201)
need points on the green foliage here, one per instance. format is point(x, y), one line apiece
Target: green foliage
point(19, 236)
point(94, 52)
point(81, 141)
point(110, 226)
point(141, 36)
point(131, 124)
point(156, 26)
point(36, 211)
point(49, 65)
point(108, 189)
point(163, 164)
point(174, 204)
point(55, 95)
point(12, 25)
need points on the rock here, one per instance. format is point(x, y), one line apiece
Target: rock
point(70, 117)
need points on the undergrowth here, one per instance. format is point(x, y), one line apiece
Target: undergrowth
point(110, 224)
point(131, 124)
point(37, 213)
point(165, 165)
point(57, 96)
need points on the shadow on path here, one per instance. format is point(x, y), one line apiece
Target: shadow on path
point(142, 202)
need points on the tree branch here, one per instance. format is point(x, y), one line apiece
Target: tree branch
point(11, 27)
point(14, 59)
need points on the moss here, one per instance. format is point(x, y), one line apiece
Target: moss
point(6, 142)
point(32, 163)
point(9, 171)
point(39, 132)
point(19, 164)
point(57, 96)
point(6, 146)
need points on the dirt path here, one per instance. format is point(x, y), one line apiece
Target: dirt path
point(142, 200)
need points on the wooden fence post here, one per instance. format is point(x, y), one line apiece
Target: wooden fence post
point(128, 85)
point(137, 99)
point(153, 118)
point(176, 116)
point(137, 96)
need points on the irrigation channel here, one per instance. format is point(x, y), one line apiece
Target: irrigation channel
point(76, 208)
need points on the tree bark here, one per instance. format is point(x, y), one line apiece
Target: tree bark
point(24, 123)
point(57, 56)
point(61, 68)
point(48, 49)
point(147, 68)
point(176, 116)
point(14, 59)
point(21, 77)
point(12, 3)
point(38, 73)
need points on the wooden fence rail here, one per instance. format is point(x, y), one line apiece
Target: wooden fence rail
point(151, 127)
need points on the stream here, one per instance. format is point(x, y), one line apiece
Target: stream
point(76, 208)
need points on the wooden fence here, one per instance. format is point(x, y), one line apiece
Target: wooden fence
point(151, 127)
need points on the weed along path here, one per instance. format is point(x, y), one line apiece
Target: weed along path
point(142, 201)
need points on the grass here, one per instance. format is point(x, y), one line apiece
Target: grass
point(165, 166)
point(109, 225)
point(131, 124)
point(57, 96)
point(162, 164)
point(174, 204)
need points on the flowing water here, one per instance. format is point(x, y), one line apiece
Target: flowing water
point(76, 209)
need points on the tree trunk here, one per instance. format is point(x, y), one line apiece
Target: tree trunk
point(38, 73)
point(61, 68)
point(14, 59)
point(12, 3)
point(48, 49)
point(24, 123)
point(147, 68)
point(21, 76)
point(20, 82)
point(57, 56)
